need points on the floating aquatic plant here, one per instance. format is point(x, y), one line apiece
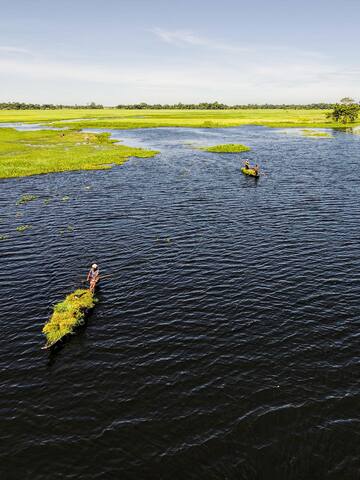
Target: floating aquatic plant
point(69, 229)
point(23, 228)
point(315, 134)
point(68, 315)
point(3, 237)
point(65, 198)
point(26, 199)
point(227, 148)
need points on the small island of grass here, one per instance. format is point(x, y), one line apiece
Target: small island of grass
point(23, 228)
point(227, 148)
point(314, 134)
point(26, 199)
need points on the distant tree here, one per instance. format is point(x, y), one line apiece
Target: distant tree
point(347, 100)
point(347, 111)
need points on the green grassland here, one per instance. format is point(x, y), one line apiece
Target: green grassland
point(314, 134)
point(48, 151)
point(227, 148)
point(121, 118)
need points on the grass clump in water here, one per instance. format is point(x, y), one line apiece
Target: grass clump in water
point(227, 148)
point(313, 134)
point(26, 199)
point(23, 228)
point(3, 237)
point(68, 315)
point(69, 229)
point(48, 151)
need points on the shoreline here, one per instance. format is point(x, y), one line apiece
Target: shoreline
point(26, 153)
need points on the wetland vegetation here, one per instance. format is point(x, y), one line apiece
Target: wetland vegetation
point(23, 228)
point(125, 119)
point(227, 148)
point(314, 134)
point(26, 199)
point(24, 153)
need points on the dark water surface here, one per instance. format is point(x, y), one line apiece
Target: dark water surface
point(226, 344)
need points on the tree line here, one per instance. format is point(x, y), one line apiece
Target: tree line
point(159, 106)
point(346, 111)
point(45, 106)
point(223, 106)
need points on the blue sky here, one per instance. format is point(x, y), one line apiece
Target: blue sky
point(159, 51)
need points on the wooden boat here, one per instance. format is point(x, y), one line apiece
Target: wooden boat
point(250, 171)
point(67, 316)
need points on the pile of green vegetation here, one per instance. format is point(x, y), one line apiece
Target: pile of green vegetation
point(68, 315)
point(227, 148)
point(47, 151)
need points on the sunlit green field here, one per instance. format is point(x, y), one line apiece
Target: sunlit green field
point(48, 151)
point(30, 153)
point(114, 118)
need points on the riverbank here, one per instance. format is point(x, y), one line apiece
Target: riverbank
point(25, 153)
point(125, 119)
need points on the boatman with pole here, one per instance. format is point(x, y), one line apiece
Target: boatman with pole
point(93, 277)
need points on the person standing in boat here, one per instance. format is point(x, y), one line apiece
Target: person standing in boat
point(93, 277)
point(257, 169)
point(247, 165)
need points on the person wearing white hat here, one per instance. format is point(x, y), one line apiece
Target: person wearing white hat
point(93, 277)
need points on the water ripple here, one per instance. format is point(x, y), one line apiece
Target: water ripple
point(225, 343)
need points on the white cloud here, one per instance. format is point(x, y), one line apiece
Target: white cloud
point(188, 38)
point(234, 80)
point(14, 50)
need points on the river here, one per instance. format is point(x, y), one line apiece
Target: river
point(225, 344)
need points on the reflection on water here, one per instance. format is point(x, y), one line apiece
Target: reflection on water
point(225, 344)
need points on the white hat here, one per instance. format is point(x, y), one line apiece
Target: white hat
point(94, 266)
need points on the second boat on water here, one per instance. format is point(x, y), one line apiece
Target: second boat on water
point(250, 171)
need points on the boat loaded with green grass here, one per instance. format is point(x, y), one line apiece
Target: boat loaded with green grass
point(67, 316)
point(251, 172)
